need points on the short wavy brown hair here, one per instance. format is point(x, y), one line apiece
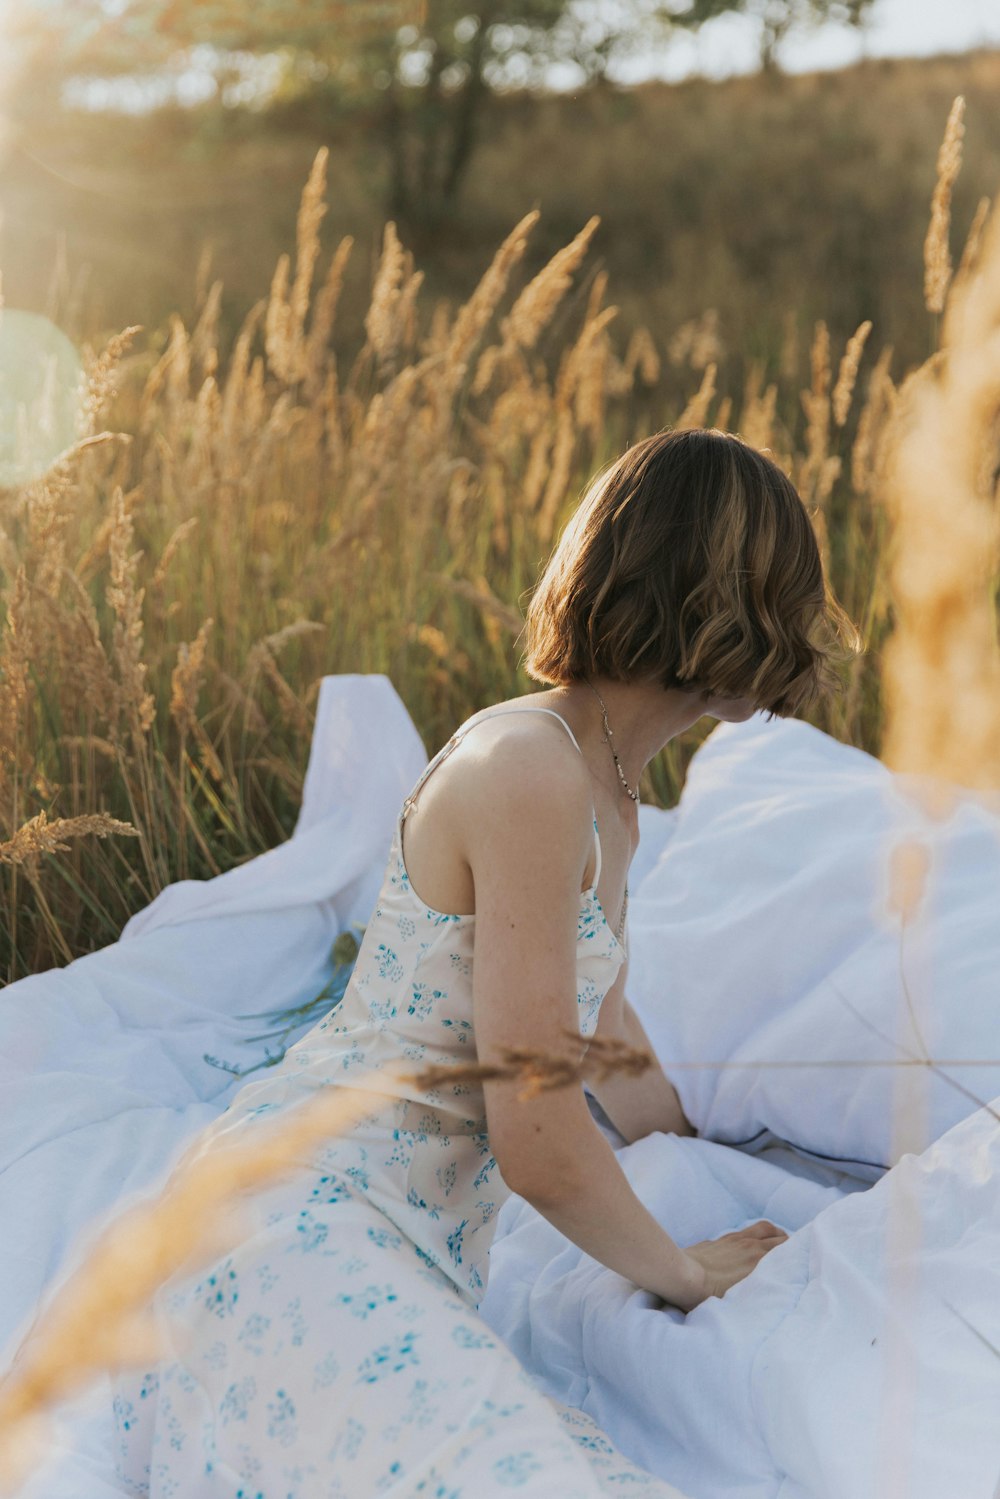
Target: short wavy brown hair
point(692, 561)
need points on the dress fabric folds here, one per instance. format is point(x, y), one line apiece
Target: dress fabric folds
point(337, 1351)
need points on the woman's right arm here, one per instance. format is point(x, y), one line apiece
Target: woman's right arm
point(596, 1207)
point(527, 844)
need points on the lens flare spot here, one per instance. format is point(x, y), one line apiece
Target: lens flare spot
point(41, 395)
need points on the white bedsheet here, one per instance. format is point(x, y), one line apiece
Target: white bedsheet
point(102, 1062)
point(853, 1364)
point(861, 1360)
point(761, 943)
point(778, 845)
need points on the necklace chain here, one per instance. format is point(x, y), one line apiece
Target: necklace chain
point(609, 736)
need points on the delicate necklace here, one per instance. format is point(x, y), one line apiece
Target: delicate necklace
point(610, 739)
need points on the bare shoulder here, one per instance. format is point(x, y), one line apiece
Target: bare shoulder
point(523, 786)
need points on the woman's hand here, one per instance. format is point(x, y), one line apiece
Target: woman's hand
point(731, 1257)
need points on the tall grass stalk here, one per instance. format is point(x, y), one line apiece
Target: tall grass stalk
point(99, 1319)
point(232, 525)
point(941, 691)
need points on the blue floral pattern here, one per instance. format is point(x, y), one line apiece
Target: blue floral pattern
point(336, 1352)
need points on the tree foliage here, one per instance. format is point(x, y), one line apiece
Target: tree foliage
point(777, 18)
point(422, 70)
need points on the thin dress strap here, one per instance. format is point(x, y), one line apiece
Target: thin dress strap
point(447, 748)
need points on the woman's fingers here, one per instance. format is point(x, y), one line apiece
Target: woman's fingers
point(732, 1257)
point(763, 1230)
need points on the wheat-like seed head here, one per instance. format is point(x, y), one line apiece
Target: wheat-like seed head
point(545, 1071)
point(18, 647)
point(278, 321)
point(312, 210)
point(942, 664)
point(696, 342)
point(642, 357)
point(582, 376)
point(536, 471)
point(973, 241)
point(271, 644)
point(480, 594)
point(324, 317)
point(99, 1318)
point(535, 307)
point(332, 406)
point(706, 344)
point(46, 500)
point(828, 475)
point(186, 678)
point(473, 318)
point(560, 472)
point(848, 372)
point(179, 534)
point(38, 836)
point(937, 254)
point(406, 311)
point(758, 412)
point(93, 680)
point(206, 428)
point(695, 413)
point(816, 405)
point(875, 414)
point(90, 742)
point(380, 320)
point(261, 662)
point(100, 380)
point(204, 339)
point(202, 272)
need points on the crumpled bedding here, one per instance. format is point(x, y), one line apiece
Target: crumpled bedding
point(779, 844)
point(802, 1024)
point(860, 1359)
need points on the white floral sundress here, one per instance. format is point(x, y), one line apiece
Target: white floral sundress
point(337, 1352)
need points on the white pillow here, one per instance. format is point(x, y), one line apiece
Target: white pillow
point(766, 967)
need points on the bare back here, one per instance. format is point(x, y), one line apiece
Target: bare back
point(437, 841)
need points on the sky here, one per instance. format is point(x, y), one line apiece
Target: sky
point(725, 46)
point(897, 28)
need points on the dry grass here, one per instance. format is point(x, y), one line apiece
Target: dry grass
point(821, 181)
point(224, 533)
point(941, 684)
point(100, 1320)
point(937, 251)
point(175, 589)
point(277, 520)
point(941, 667)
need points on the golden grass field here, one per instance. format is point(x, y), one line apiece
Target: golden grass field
point(773, 202)
point(223, 534)
point(227, 531)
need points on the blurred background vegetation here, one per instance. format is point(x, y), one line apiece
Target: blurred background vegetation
point(331, 426)
point(772, 200)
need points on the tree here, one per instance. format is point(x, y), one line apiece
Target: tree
point(778, 18)
point(421, 70)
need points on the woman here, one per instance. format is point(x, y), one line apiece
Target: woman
point(337, 1350)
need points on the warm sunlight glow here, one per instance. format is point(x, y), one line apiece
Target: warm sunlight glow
point(40, 395)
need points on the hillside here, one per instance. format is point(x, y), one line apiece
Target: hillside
point(772, 201)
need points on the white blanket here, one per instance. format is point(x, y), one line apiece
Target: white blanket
point(855, 1363)
point(861, 1360)
point(102, 1063)
point(751, 917)
point(761, 942)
